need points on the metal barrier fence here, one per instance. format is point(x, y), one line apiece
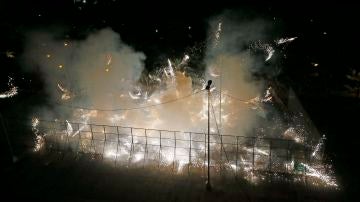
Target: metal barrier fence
point(182, 152)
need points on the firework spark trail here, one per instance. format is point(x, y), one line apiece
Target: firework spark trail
point(169, 71)
point(184, 60)
point(109, 57)
point(69, 129)
point(12, 92)
point(66, 93)
point(86, 118)
point(270, 52)
point(267, 48)
point(319, 145)
point(218, 33)
point(268, 96)
point(39, 139)
point(284, 40)
point(329, 180)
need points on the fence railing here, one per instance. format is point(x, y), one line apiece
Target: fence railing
point(182, 152)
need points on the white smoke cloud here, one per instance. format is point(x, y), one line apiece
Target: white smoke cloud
point(230, 65)
point(95, 70)
point(102, 72)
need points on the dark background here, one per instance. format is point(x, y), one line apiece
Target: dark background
point(327, 35)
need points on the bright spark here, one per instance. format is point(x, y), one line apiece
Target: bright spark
point(109, 58)
point(66, 93)
point(285, 40)
point(39, 139)
point(315, 64)
point(270, 51)
point(11, 92)
point(10, 54)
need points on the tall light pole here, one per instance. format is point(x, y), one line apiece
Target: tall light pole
point(208, 185)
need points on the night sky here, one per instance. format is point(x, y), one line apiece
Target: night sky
point(317, 64)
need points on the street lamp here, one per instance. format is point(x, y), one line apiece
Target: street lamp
point(208, 185)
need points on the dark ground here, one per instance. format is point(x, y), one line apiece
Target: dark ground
point(67, 180)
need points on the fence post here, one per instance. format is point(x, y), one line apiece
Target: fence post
point(103, 152)
point(67, 138)
point(92, 146)
point(270, 150)
point(205, 143)
point(253, 155)
point(174, 151)
point(160, 151)
point(287, 155)
point(145, 152)
point(79, 141)
point(221, 151)
point(117, 145)
point(306, 162)
point(56, 144)
point(189, 165)
point(131, 147)
point(237, 154)
point(56, 147)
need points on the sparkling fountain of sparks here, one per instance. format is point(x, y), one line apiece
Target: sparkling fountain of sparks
point(319, 174)
point(39, 138)
point(12, 92)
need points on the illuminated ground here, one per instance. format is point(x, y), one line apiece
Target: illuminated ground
point(65, 180)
